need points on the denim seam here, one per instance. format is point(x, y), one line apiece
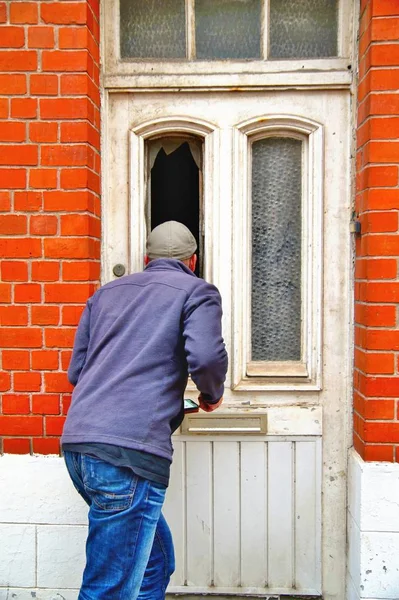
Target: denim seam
point(128, 497)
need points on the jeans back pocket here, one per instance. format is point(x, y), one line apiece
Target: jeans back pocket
point(110, 487)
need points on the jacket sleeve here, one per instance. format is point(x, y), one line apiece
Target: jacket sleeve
point(80, 346)
point(205, 350)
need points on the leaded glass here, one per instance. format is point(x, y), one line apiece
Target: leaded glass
point(303, 28)
point(227, 29)
point(153, 29)
point(276, 249)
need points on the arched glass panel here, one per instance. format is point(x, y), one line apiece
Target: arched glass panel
point(276, 249)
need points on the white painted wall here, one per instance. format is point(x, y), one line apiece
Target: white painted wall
point(373, 530)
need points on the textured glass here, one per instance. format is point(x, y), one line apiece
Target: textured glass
point(303, 28)
point(276, 249)
point(152, 29)
point(227, 29)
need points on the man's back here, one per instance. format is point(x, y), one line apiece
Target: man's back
point(136, 341)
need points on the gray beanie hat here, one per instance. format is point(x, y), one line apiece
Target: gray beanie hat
point(171, 240)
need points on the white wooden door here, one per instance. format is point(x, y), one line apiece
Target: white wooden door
point(257, 497)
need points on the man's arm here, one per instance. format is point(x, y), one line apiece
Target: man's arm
point(204, 346)
point(80, 346)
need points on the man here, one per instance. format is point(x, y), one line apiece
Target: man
point(138, 339)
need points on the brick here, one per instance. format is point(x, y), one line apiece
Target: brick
point(382, 8)
point(376, 268)
point(384, 128)
point(378, 453)
point(18, 60)
point(375, 363)
point(12, 84)
point(13, 315)
point(386, 199)
point(12, 179)
point(27, 382)
point(23, 108)
point(66, 356)
point(4, 108)
point(383, 152)
point(383, 245)
point(26, 425)
point(74, 85)
point(43, 225)
point(14, 271)
point(384, 55)
point(21, 337)
point(45, 271)
point(81, 271)
point(379, 409)
point(41, 37)
point(23, 12)
point(382, 340)
point(382, 176)
point(14, 404)
point(381, 291)
point(18, 155)
point(74, 155)
point(45, 315)
point(46, 445)
point(68, 60)
point(20, 248)
point(383, 104)
point(54, 425)
point(74, 179)
point(27, 292)
point(16, 445)
point(43, 132)
point(65, 13)
point(379, 387)
point(13, 224)
point(44, 85)
point(80, 225)
point(382, 80)
point(64, 108)
point(57, 382)
point(80, 132)
point(12, 132)
point(46, 404)
point(67, 293)
point(43, 178)
point(71, 314)
point(381, 432)
point(16, 360)
point(3, 12)
point(28, 201)
point(66, 403)
point(70, 248)
point(68, 201)
point(12, 37)
point(45, 360)
point(60, 338)
point(73, 37)
point(5, 202)
point(5, 382)
point(5, 293)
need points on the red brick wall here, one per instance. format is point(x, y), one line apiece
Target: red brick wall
point(376, 383)
point(50, 207)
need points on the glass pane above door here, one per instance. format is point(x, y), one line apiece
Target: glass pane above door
point(152, 29)
point(227, 29)
point(303, 28)
point(276, 249)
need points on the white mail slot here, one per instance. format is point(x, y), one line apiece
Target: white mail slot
point(224, 424)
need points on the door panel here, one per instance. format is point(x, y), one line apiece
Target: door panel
point(252, 512)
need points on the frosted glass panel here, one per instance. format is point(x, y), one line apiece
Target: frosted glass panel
point(152, 29)
point(227, 29)
point(276, 249)
point(303, 28)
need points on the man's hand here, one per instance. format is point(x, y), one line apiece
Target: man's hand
point(208, 407)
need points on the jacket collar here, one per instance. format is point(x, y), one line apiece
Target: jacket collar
point(168, 264)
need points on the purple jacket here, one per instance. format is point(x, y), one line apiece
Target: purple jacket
point(137, 340)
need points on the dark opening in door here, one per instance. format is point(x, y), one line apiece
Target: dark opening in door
point(175, 194)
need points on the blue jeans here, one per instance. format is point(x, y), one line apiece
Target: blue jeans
point(129, 549)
